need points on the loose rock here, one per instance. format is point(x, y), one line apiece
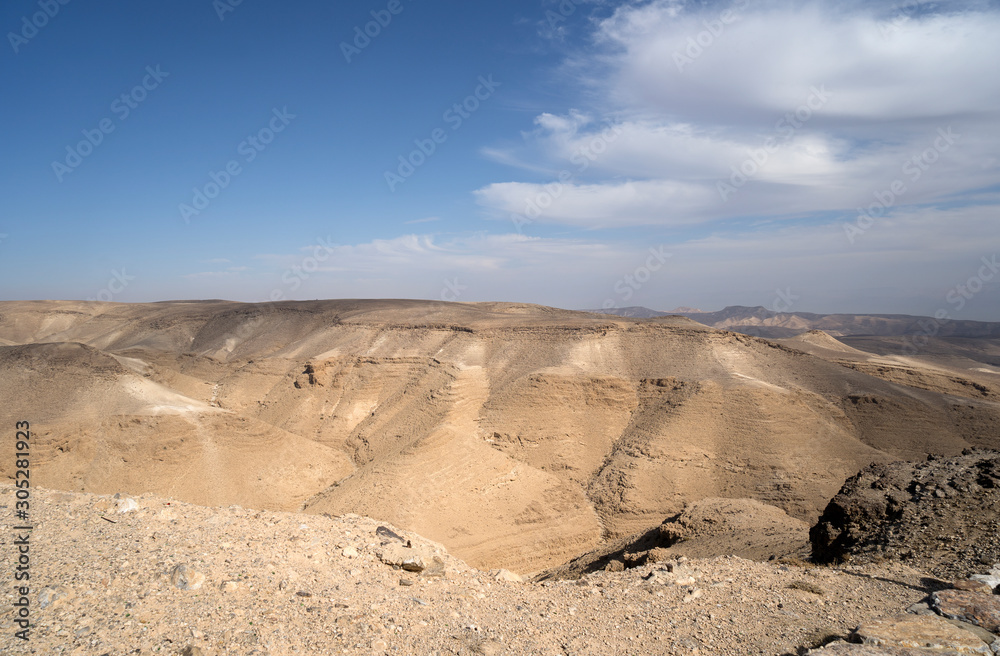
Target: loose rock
point(397, 555)
point(923, 631)
point(891, 511)
point(388, 535)
point(505, 575)
point(992, 579)
point(845, 649)
point(185, 578)
point(54, 596)
point(972, 607)
point(126, 505)
point(972, 585)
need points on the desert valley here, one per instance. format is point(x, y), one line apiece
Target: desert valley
point(527, 447)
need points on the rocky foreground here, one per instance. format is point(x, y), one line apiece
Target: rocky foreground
point(941, 515)
point(148, 575)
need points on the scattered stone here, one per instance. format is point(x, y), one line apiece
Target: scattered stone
point(992, 579)
point(672, 574)
point(922, 631)
point(54, 596)
point(435, 569)
point(846, 649)
point(303, 593)
point(708, 527)
point(731, 605)
point(126, 504)
point(349, 552)
point(488, 648)
point(191, 650)
point(505, 575)
point(807, 586)
point(921, 608)
point(387, 534)
point(186, 578)
point(691, 596)
point(659, 576)
point(398, 555)
point(971, 607)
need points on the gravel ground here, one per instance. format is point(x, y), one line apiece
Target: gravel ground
point(273, 583)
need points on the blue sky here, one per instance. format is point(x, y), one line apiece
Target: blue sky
point(825, 157)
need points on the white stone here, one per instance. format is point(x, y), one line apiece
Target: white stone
point(126, 505)
point(992, 579)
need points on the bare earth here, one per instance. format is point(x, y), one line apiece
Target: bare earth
point(276, 583)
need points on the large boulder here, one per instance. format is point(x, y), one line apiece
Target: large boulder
point(942, 515)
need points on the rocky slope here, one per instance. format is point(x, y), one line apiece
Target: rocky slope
point(942, 515)
point(153, 576)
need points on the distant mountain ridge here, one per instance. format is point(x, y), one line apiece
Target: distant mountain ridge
point(634, 312)
point(761, 322)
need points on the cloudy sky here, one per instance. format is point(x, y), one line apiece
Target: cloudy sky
point(818, 156)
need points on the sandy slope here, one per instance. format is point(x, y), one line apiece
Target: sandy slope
point(517, 435)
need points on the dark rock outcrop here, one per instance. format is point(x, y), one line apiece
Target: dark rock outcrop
point(942, 515)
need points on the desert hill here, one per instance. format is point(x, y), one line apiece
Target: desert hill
point(634, 312)
point(519, 436)
point(762, 322)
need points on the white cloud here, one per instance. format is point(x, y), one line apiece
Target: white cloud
point(658, 202)
point(825, 105)
point(769, 55)
point(472, 254)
